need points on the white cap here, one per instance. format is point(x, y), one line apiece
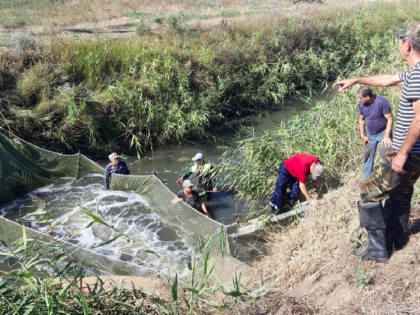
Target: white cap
point(318, 171)
point(198, 156)
point(187, 183)
point(113, 155)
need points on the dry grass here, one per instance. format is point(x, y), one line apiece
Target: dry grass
point(55, 12)
point(39, 20)
point(313, 263)
point(36, 15)
point(280, 305)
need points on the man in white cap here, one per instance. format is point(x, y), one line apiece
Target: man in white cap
point(191, 198)
point(205, 173)
point(117, 166)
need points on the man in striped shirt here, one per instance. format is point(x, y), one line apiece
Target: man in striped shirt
point(400, 166)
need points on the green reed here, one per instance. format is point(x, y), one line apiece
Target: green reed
point(182, 80)
point(329, 131)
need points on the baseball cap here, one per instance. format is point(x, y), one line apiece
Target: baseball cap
point(113, 155)
point(412, 31)
point(318, 171)
point(198, 156)
point(187, 183)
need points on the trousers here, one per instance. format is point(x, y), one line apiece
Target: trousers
point(370, 151)
point(284, 181)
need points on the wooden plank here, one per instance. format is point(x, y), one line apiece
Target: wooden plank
point(254, 225)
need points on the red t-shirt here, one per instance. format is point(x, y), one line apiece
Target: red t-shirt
point(298, 165)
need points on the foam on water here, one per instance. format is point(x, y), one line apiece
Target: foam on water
point(145, 238)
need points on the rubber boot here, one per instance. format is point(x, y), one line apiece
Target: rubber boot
point(396, 220)
point(371, 218)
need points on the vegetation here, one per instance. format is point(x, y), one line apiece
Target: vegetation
point(181, 79)
point(329, 130)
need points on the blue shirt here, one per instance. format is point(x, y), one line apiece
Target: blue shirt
point(375, 114)
point(120, 168)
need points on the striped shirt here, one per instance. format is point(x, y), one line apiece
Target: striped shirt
point(405, 115)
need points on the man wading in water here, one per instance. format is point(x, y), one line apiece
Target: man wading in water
point(191, 198)
point(117, 166)
point(205, 173)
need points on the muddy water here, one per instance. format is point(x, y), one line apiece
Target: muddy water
point(141, 230)
point(170, 162)
point(149, 232)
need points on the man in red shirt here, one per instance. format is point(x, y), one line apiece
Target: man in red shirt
point(292, 174)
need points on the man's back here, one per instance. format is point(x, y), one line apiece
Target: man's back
point(298, 165)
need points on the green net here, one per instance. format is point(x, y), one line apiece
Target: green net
point(203, 232)
point(11, 231)
point(25, 167)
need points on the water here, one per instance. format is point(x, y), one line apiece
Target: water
point(170, 162)
point(129, 214)
point(141, 230)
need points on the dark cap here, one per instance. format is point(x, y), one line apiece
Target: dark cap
point(412, 32)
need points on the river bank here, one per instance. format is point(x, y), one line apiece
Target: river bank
point(310, 268)
point(98, 95)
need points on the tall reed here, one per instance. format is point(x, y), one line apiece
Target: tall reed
point(183, 80)
point(329, 131)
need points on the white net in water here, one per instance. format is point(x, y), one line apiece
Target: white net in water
point(25, 167)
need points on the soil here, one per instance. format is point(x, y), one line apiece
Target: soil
point(329, 279)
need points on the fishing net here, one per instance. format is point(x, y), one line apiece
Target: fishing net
point(25, 167)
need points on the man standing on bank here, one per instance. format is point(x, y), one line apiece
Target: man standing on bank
point(375, 114)
point(292, 174)
point(387, 226)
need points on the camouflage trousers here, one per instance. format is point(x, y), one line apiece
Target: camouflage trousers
point(384, 182)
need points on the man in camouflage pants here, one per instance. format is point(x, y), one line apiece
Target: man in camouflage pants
point(399, 168)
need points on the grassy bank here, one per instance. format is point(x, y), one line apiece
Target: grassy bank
point(179, 81)
point(330, 130)
point(90, 95)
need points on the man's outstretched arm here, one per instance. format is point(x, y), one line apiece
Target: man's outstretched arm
point(373, 80)
point(386, 141)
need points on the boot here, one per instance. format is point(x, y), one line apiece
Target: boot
point(371, 218)
point(396, 220)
